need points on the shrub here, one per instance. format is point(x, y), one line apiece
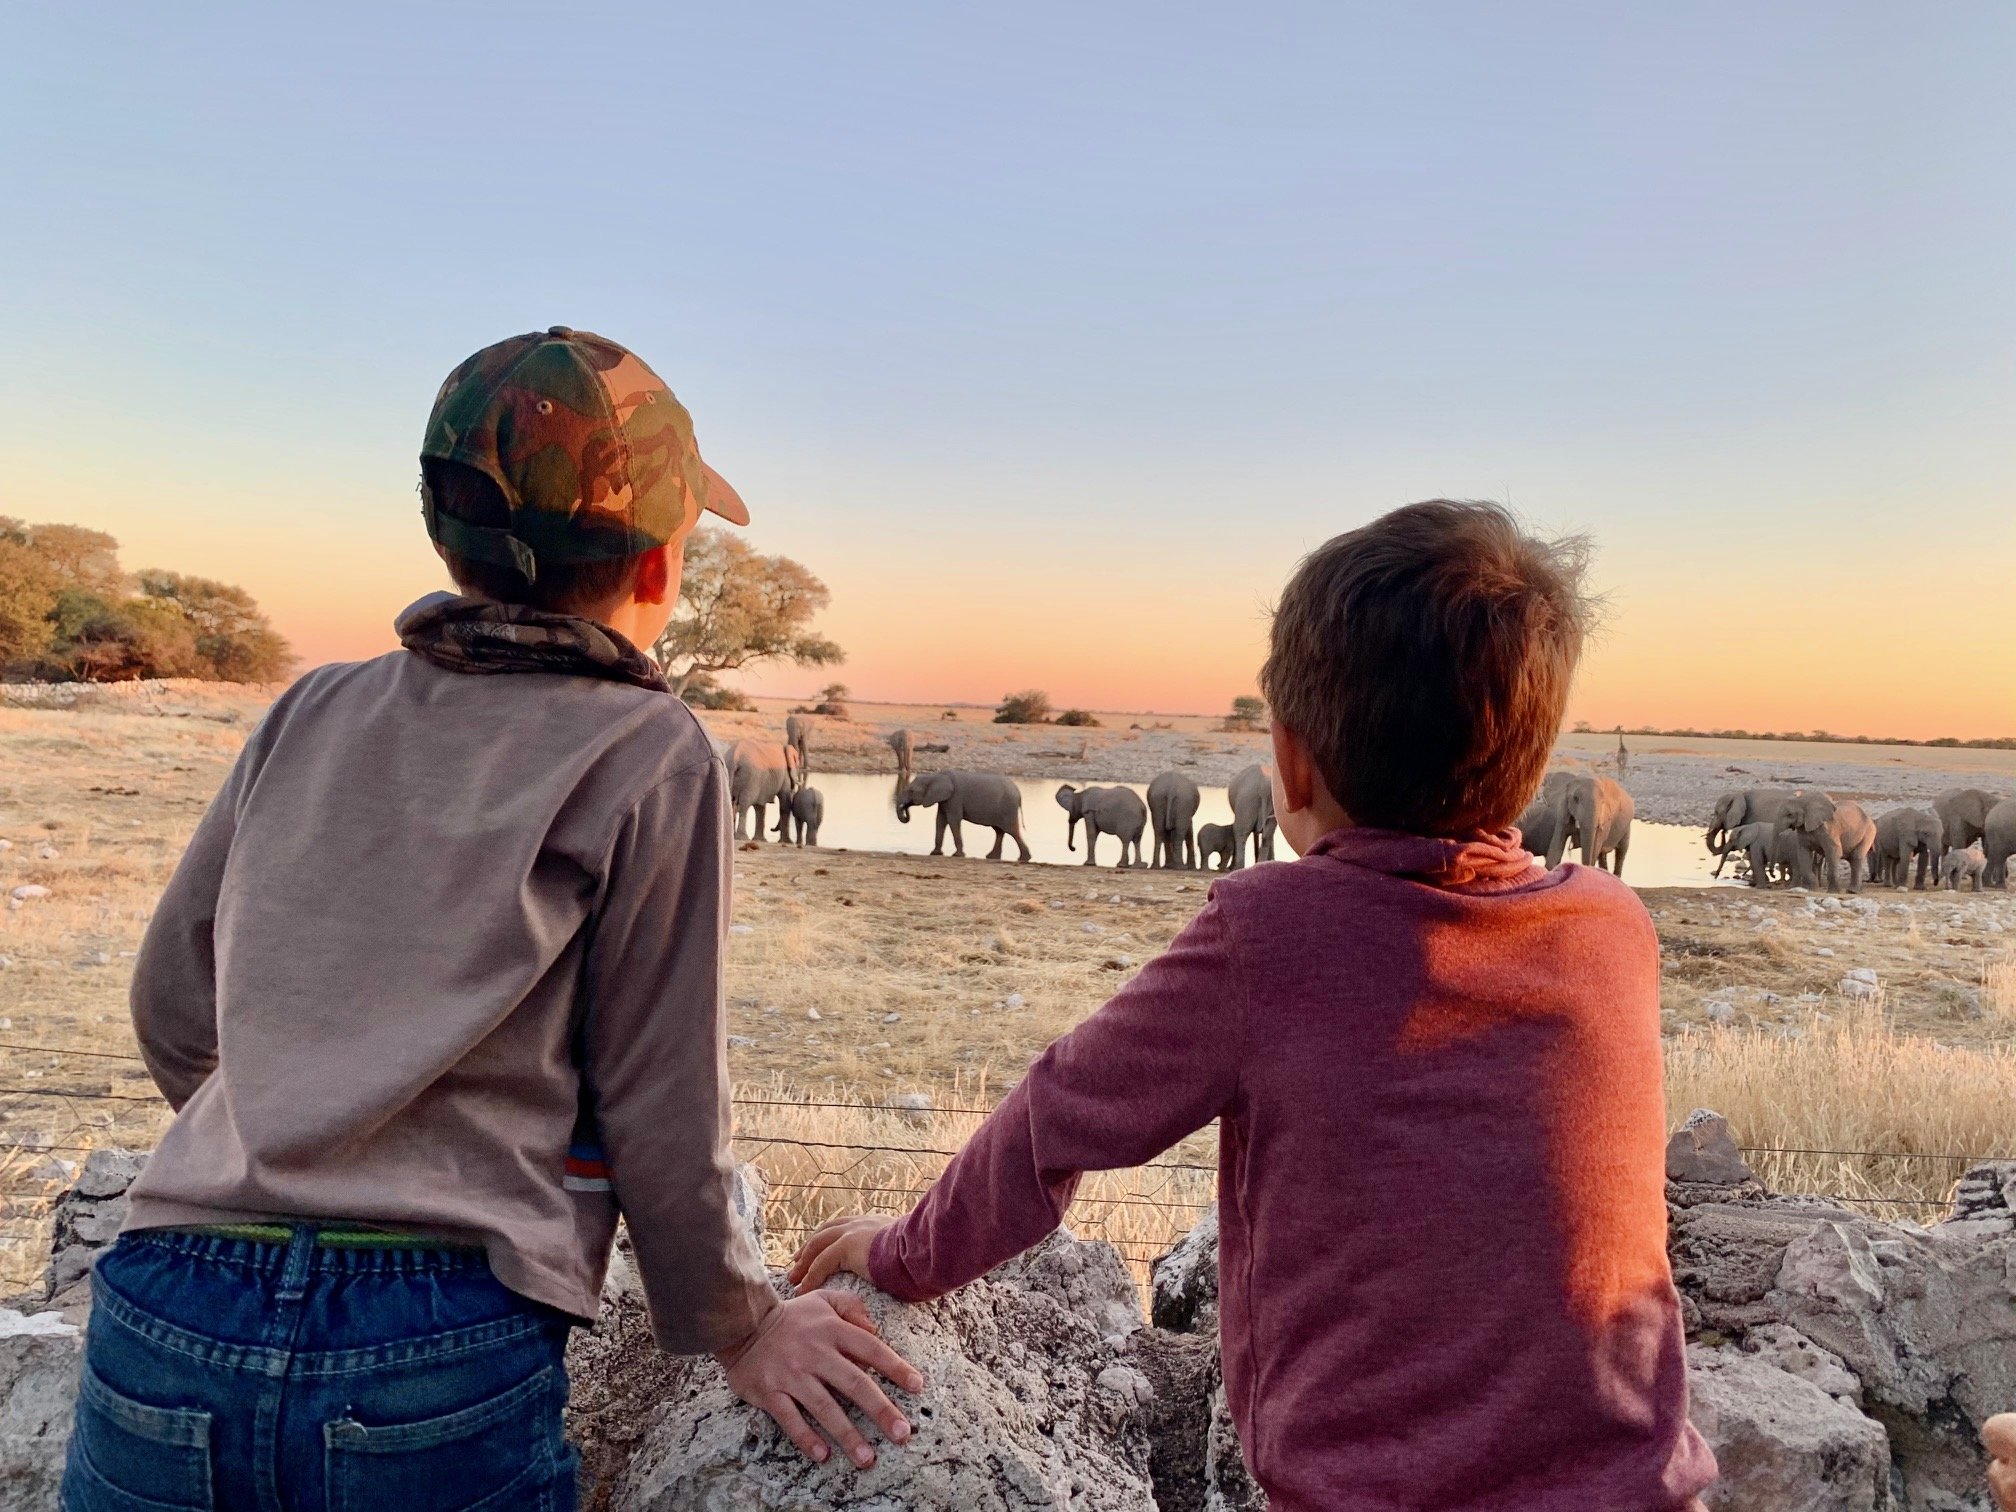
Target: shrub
point(1030, 706)
point(1248, 712)
point(1077, 717)
point(702, 692)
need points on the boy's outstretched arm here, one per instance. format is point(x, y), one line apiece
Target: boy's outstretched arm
point(655, 1058)
point(1158, 1062)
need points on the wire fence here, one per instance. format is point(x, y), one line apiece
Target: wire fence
point(819, 1158)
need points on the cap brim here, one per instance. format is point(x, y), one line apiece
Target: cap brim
point(722, 499)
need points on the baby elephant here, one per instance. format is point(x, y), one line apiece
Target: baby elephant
point(802, 811)
point(1214, 846)
point(1958, 866)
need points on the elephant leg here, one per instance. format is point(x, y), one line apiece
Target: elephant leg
point(1091, 843)
point(1240, 835)
point(1617, 857)
point(1020, 844)
point(1000, 840)
point(938, 837)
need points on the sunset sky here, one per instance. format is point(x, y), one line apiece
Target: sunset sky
point(1050, 335)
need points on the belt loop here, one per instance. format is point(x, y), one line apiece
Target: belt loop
point(294, 1269)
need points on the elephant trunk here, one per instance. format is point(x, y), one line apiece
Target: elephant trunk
point(1071, 831)
point(903, 809)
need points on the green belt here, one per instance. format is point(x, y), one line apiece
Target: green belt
point(329, 1238)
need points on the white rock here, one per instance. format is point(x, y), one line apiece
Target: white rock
point(812, 1014)
point(1093, 929)
point(1013, 1000)
point(27, 891)
point(892, 1018)
point(1721, 1013)
point(1858, 991)
point(40, 1355)
point(1781, 1442)
point(741, 929)
point(47, 853)
point(1824, 951)
point(1863, 974)
point(739, 1042)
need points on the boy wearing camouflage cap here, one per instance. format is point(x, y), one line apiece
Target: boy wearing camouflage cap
point(435, 992)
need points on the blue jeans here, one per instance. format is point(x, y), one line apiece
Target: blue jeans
point(238, 1376)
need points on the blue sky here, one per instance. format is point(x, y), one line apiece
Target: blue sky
point(1050, 335)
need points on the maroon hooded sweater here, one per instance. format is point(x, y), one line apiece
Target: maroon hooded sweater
point(1441, 1175)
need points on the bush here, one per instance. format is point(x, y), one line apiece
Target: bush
point(702, 692)
point(1077, 717)
point(1247, 714)
point(1030, 706)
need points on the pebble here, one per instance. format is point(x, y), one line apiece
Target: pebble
point(1823, 951)
point(1858, 991)
point(1863, 974)
point(741, 929)
point(28, 890)
point(1013, 1000)
point(47, 853)
point(739, 1042)
point(1721, 1013)
point(1093, 929)
point(887, 1072)
point(892, 1018)
point(812, 1014)
point(1118, 962)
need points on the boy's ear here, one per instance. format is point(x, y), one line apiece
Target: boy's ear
point(654, 576)
point(1297, 771)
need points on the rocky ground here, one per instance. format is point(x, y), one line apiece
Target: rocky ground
point(1836, 1364)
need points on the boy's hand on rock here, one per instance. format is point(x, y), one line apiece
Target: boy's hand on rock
point(1998, 1435)
point(806, 1351)
point(838, 1244)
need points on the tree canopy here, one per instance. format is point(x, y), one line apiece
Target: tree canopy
point(69, 612)
point(738, 607)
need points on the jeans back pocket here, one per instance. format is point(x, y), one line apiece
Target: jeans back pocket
point(127, 1456)
point(503, 1452)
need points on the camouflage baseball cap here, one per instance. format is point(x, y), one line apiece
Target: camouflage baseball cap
point(595, 457)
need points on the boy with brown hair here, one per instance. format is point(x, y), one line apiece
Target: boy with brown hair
point(1435, 1068)
point(435, 992)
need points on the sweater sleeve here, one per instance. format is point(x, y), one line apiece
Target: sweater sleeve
point(1158, 1062)
point(655, 1057)
point(173, 997)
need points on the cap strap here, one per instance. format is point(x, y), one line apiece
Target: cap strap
point(485, 543)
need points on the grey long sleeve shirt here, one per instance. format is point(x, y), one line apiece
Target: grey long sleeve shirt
point(445, 956)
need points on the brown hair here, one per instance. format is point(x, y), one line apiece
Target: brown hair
point(1424, 660)
point(562, 587)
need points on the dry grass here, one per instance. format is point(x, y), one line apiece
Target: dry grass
point(982, 965)
point(1847, 1082)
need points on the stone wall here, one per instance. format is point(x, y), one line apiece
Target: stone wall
point(1838, 1364)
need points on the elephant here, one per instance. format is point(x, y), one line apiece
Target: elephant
point(1772, 850)
point(1998, 842)
point(1832, 831)
point(760, 773)
point(1172, 814)
point(1958, 866)
point(1214, 843)
point(1901, 834)
point(985, 798)
point(1963, 815)
point(906, 747)
point(1743, 806)
point(798, 735)
point(802, 812)
point(1115, 811)
point(1251, 792)
point(1543, 816)
point(1595, 813)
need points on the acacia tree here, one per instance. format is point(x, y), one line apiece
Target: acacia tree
point(738, 607)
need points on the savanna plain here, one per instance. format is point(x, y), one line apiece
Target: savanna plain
point(1862, 1046)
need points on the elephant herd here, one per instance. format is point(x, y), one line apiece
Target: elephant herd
point(1786, 834)
point(1168, 815)
point(764, 772)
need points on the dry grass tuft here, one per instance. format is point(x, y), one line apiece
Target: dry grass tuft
point(1847, 1083)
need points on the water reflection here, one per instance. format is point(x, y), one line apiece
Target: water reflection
point(861, 815)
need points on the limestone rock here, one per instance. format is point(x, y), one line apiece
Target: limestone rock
point(1782, 1443)
point(1184, 1293)
point(39, 1359)
point(1020, 1410)
point(1228, 1487)
point(86, 1220)
point(1703, 1149)
point(1087, 1277)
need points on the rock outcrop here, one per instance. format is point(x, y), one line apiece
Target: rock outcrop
point(1839, 1364)
point(1033, 1398)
